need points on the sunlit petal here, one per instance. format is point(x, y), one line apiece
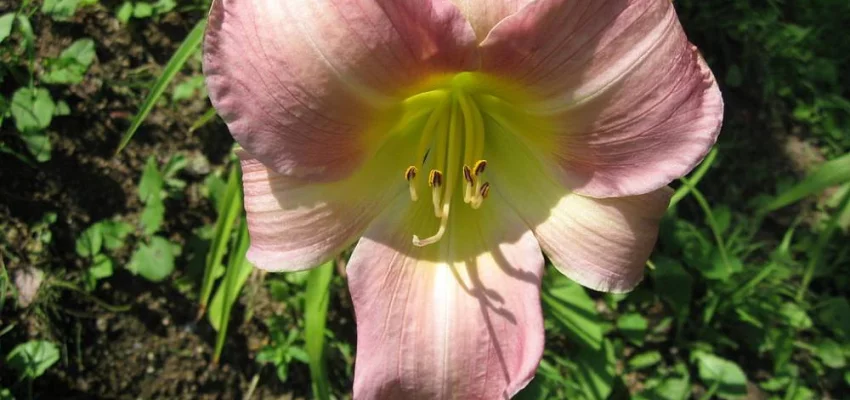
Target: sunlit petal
point(301, 83)
point(296, 224)
point(602, 244)
point(460, 319)
point(635, 104)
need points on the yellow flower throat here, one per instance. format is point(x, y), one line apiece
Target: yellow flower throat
point(451, 142)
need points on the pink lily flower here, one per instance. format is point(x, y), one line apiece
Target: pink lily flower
point(459, 141)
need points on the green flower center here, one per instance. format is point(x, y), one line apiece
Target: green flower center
point(451, 114)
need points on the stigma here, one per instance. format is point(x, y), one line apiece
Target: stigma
point(451, 148)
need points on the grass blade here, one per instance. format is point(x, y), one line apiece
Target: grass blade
point(315, 318)
point(187, 48)
point(229, 210)
point(831, 173)
point(694, 178)
point(238, 271)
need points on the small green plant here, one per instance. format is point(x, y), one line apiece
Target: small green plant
point(153, 258)
point(107, 234)
point(32, 359)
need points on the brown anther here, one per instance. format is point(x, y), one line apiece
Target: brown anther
point(410, 173)
point(485, 190)
point(480, 166)
point(435, 178)
point(467, 174)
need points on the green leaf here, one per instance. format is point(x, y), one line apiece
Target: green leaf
point(152, 181)
point(114, 233)
point(237, 273)
point(101, 268)
point(72, 64)
point(59, 10)
point(125, 12)
point(189, 46)
point(673, 284)
point(152, 216)
point(633, 327)
point(188, 89)
point(153, 261)
point(721, 375)
point(795, 316)
point(25, 27)
point(90, 241)
point(834, 313)
point(570, 306)
point(38, 144)
point(595, 372)
point(6, 22)
point(676, 385)
point(831, 173)
point(316, 304)
point(142, 10)
point(62, 109)
point(644, 360)
point(830, 352)
point(32, 358)
point(32, 109)
point(229, 209)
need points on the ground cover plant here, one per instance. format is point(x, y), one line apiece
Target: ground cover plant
point(123, 272)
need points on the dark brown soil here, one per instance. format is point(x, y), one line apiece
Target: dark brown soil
point(156, 349)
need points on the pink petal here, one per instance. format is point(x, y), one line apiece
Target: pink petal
point(296, 223)
point(483, 15)
point(300, 83)
point(459, 319)
point(637, 105)
point(602, 244)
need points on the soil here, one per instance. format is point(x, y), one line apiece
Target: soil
point(155, 349)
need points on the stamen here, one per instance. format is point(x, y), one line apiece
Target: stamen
point(410, 174)
point(470, 182)
point(485, 190)
point(435, 181)
point(480, 166)
point(480, 196)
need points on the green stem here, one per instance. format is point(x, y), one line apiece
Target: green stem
point(712, 223)
point(99, 302)
point(820, 247)
point(695, 178)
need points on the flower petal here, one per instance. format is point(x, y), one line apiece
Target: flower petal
point(636, 105)
point(459, 319)
point(297, 224)
point(483, 15)
point(602, 244)
point(299, 83)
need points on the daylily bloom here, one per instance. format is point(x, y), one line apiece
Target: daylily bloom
point(458, 140)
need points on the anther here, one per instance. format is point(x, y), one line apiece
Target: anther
point(479, 197)
point(485, 190)
point(467, 175)
point(469, 186)
point(410, 174)
point(480, 166)
point(435, 178)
